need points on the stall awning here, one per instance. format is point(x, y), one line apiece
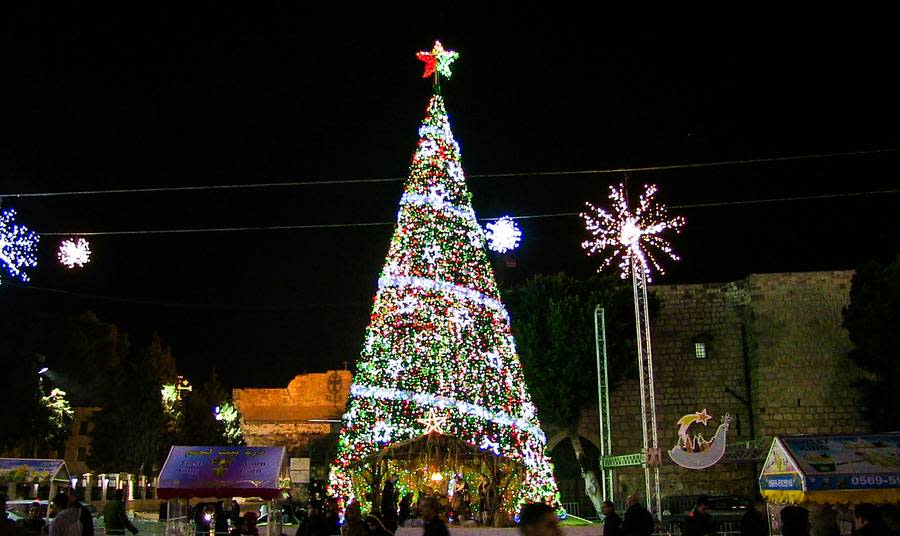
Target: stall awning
point(832, 469)
point(224, 472)
point(33, 471)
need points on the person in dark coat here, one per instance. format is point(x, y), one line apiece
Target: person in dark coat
point(7, 526)
point(87, 520)
point(375, 526)
point(638, 521)
point(754, 521)
point(699, 522)
point(433, 526)
point(538, 519)
point(220, 518)
point(235, 513)
point(795, 521)
point(315, 522)
point(611, 520)
point(868, 521)
point(405, 509)
point(389, 504)
point(114, 517)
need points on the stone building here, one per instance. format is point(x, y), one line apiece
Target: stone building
point(300, 417)
point(768, 349)
point(78, 445)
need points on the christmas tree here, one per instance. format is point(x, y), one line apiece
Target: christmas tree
point(439, 394)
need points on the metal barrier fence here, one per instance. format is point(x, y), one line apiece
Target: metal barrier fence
point(572, 508)
point(723, 528)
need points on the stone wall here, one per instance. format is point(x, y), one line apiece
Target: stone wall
point(802, 378)
point(288, 416)
point(773, 340)
point(78, 444)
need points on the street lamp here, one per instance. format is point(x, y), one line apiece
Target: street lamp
point(43, 370)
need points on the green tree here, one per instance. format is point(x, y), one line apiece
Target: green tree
point(60, 416)
point(23, 415)
point(35, 415)
point(86, 354)
point(131, 428)
point(553, 322)
point(872, 319)
point(200, 426)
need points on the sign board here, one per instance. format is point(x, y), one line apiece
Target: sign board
point(223, 472)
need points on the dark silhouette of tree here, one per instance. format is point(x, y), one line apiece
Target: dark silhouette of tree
point(130, 430)
point(199, 426)
point(553, 323)
point(872, 319)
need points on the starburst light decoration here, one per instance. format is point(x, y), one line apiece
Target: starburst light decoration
point(631, 237)
point(18, 247)
point(74, 252)
point(503, 235)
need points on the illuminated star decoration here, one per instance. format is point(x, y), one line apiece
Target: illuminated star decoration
point(74, 252)
point(382, 432)
point(18, 246)
point(437, 61)
point(395, 367)
point(433, 423)
point(493, 359)
point(632, 237)
point(702, 417)
point(503, 235)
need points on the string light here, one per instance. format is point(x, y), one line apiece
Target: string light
point(503, 235)
point(439, 355)
point(74, 252)
point(18, 247)
point(632, 237)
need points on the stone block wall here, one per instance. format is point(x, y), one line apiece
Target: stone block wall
point(802, 378)
point(288, 416)
point(772, 340)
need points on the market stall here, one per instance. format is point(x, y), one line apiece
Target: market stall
point(830, 470)
point(218, 473)
point(29, 478)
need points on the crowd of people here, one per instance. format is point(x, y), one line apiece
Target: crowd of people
point(432, 511)
point(67, 517)
point(862, 520)
point(214, 517)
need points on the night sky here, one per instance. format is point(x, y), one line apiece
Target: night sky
point(171, 98)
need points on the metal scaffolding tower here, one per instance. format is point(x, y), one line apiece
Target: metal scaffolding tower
point(606, 475)
point(651, 450)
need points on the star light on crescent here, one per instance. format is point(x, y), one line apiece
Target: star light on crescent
point(631, 236)
point(437, 60)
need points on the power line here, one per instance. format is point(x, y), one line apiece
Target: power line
point(329, 181)
point(159, 303)
point(523, 217)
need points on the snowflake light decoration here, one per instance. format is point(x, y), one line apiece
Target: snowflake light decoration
point(18, 246)
point(503, 235)
point(74, 252)
point(633, 237)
